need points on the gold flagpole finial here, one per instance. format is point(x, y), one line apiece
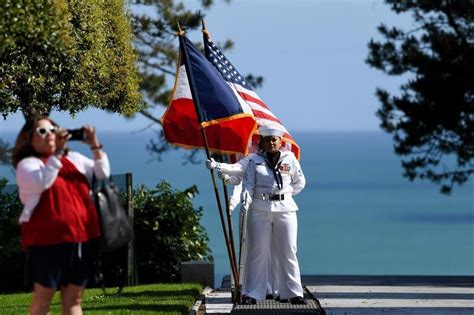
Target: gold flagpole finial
point(180, 32)
point(204, 29)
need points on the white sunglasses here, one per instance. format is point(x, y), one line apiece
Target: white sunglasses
point(43, 132)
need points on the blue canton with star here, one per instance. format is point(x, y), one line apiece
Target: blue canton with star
point(223, 65)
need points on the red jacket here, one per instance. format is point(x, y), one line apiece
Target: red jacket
point(65, 212)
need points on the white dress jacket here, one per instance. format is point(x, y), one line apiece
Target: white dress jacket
point(260, 179)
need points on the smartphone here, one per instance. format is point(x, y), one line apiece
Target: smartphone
point(76, 134)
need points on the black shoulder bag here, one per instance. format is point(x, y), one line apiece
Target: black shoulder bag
point(115, 228)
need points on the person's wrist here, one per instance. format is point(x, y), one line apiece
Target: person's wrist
point(96, 147)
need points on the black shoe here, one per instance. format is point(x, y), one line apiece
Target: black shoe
point(298, 300)
point(269, 297)
point(283, 300)
point(247, 300)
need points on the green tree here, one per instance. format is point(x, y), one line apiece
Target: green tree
point(432, 120)
point(155, 23)
point(66, 55)
point(5, 153)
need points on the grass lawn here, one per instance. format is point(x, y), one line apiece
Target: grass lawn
point(144, 299)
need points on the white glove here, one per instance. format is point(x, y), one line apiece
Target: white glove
point(232, 180)
point(211, 164)
point(221, 175)
point(224, 177)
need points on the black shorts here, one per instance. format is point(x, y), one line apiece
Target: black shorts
point(58, 265)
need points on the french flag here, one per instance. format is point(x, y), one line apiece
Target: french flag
point(226, 118)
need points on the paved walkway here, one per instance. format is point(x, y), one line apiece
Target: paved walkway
point(393, 294)
point(362, 295)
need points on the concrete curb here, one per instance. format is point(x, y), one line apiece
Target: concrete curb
point(195, 308)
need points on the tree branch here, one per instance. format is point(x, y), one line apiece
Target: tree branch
point(156, 66)
point(453, 24)
point(150, 116)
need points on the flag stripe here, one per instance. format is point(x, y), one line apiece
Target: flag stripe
point(249, 92)
point(264, 116)
point(249, 98)
point(264, 112)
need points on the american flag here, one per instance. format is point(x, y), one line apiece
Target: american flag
point(262, 113)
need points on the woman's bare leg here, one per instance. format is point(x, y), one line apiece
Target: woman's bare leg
point(71, 296)
point(41, 301)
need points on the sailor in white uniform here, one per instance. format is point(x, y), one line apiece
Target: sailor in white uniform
point(271, 179)
point(233, 174)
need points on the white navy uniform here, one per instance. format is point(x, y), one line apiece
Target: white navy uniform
point(236, 172)
point(271, 220)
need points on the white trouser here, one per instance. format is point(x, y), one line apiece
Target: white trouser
point(272, 277)
point(272, 283)
point(272, 287)
point(265, 227)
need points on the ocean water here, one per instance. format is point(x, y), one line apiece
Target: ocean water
point(358, 215)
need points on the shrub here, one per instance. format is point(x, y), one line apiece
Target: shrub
point(11, 257)
point(167, 232)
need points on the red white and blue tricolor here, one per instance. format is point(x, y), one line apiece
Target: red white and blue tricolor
point(226, 118)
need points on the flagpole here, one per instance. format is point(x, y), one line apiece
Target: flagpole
point(226, 198)
point(226, 194)
point(197, 107)
point(229, 224)
point(231, 236)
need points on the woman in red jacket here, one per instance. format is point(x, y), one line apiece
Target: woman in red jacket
point(58, 221)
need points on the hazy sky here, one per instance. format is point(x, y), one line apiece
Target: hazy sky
point(311, 54)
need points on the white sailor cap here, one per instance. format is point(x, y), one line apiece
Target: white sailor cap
point(270, 131)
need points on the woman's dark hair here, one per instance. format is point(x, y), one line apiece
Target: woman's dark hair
point(260, 144)
point(23, 147)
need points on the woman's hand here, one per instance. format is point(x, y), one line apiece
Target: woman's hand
point(90, 137)
point(61, 141)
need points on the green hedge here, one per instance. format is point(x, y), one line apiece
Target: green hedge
point(167, 232)
point(11, 257)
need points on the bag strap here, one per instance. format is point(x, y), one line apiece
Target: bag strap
point(94, 181)
point(97, 184)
